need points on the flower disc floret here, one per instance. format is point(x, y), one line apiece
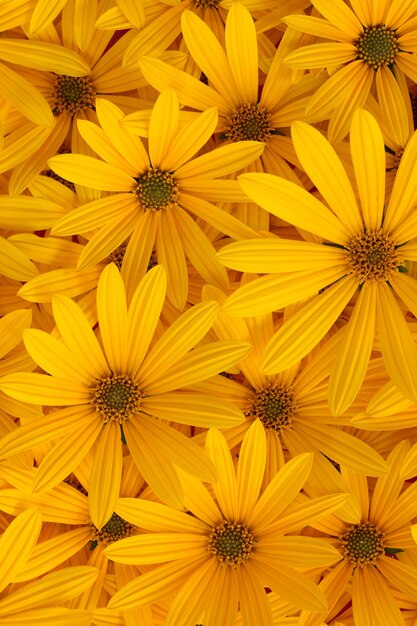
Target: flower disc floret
point(250, 122)
point(373, 256)
point(156, 190)
point(116, 397)
point(231, 543)
point(73, 94)
point(377, 45)
point(362, 544)
point(274, 405)
point(115, 529)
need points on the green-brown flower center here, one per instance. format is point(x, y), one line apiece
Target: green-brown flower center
point(116, 397)
point(250, 122)
point(206, 4)
point(231, 543)
point(362, 544)
point(115, 529)
point(156, 190)
point(72, 94)
point(377, 45)
point(373, 256)
point(274, 405)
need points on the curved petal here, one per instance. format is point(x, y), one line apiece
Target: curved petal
point(242, 51)
point(112, 317)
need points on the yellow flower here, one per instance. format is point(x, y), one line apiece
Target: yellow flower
point(229, 548)
point(364, 252)
point(123, 387)
point(367, 41)
point(374, 548)
point(159, 187)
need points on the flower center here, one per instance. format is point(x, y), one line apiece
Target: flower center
point(249, 122)
point(116, 528)
point(156, 190)
point(206, 4)
point(373, 256)
point(118, 254)
point(274, 405)
point(231, 543)
point(73, 93)
point(362, 544)
point(377, 46)
point(116, 397)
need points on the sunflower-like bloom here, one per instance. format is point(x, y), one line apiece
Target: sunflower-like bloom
point(159, 187)
point(365, 247)
point(367, 42)
point(230, 547)
point(121, 389)
point(374, 548)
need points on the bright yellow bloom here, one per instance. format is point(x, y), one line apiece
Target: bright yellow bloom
point(367, 42)
point(122, 388)
point(365, 249)
point(159, 188)
point(229, 548)
point(379, 582)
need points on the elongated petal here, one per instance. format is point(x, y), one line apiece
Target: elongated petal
point(200, 364)
point(52, 552)
point(158, 471)
point(180, 450)
point(325, 169)
point(367, 585)
point(181, 336)
point(189, 90)
point(54, 357)
point(345, 448)
point(112, 316)
point(222, 161)
point(152, 586)
point(299, 552)
point(67, 453)
point(404, 192)
point(158, 548)
point(297, 589)
point(193, 409)
point(280, 492)
point(55, 587)
point(44, 13)
point(170, 253)
point(157, 517)
point(190, 139)
point(94, 214)
point(16, 544)
point(25, 97)
point(397, 345)
point(90, 172)
point(251, 468)
point(163, 126)
point(321, 55)
point(226, 586)
point(42, 389)
point(209, 55)
point(254, 605)
point(294, 205)
point(52, 616)
point(353, 355)
point(142, 318)
point(368, 156)
point(225, 488)
point(307, 513)
point(242, 51)
point(106, 474)
point(302, 332)
point(339, 14)
point(44, 56)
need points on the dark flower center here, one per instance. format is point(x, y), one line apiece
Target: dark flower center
point(377, 46)
point(231, 543)
point(73, 93)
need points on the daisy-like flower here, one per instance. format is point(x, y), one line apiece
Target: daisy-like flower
point(121, 389)
point(38, 601)
point(292, 405)
point(367, 42)
point(372, 548)
point(229, 547)
point(247, 109)
point(365, 247)
point(158, 189)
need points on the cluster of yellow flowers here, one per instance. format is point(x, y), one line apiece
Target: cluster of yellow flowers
point(208, 301)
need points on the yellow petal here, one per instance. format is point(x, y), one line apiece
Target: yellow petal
point(44, 56)
point(242, 51)
point(16, 544)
